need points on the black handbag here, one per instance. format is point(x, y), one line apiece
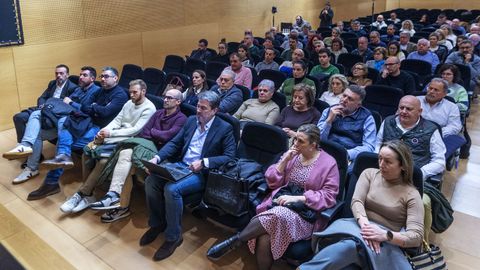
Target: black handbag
point(300, 208)
point(231, 188)
point(430, 259)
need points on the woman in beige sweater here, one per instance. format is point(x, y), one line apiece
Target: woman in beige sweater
point(388, 215)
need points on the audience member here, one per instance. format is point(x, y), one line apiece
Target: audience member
point(326, 16)
point(440, 51)
point(375, 41)
point(449, 35)
point(388, 215)
point(451, 74)
point(423, 53)
point(405, 44)
point(205, 142)
point(222, 55)
point(394, 77)
point(349, 123)
point(456, 26)
point(231, 97)
point(248, 41)
point(244, 56)
point(357, 29)
point(306, 168)
point(465, 56)
point(287, 66)
point(337, 83)
point(199, 84)
point(335, 34)
point(58, 88)
point(393, 18)
point(243, 75)
point(379, 23)
point(363, 50)
point(286, 44)
point(442, 40)
point(324, 68)
point(299, 73)
point(359, 75)
point(201, 53)
point(393, 49)
point(379, 56)
point(317, 46)
point(292, 43)
point(261, 109)
point(390, 35)
point(268, 61)
point(408, 27)
point(337, 48)
point(299, 23)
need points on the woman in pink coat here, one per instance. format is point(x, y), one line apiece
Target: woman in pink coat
point(275, 226)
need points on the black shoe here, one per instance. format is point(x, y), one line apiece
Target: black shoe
point(222, 248)
point(151, 234)
point(60, 161)
point(43, 191)
point(167, 249)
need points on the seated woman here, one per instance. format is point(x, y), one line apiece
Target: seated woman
point(407, 26)
point(379, 56)
point(451, 74)
point(299, 72)
point(300, 111)
point(359, 75)
point(311, 42)
point(442, 40)
point(335, 34)
point(269, 233)
point(337, 48)
point(245, 56)
point(337, 83)
point(394, 50)
point(440, 51)
point(199, 84)
point(261, 109)
point(317, 46)
point(388, 215)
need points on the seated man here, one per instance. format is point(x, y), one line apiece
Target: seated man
point(268, 61)
point(405, 44)
point(32, 142)
point(59, 88)
point(107, 102)
point(288, 53)
point(349, 123)
point(363, 50)
point(465, 56)
point(421, 135)
point(205, 142)
point(243, 75)
point(248, 40)
point(375, 41)
point(443, 112)
point(261, 109)
point(231, 97)
point(357, 29)
point(161, 127)
point(201, 53)
point(324, 68)
point(286, 43)
point(390, 36)
point(394, 77)
point(379, 23)
point(287, 66)
point(423, 53)
point(222, 55)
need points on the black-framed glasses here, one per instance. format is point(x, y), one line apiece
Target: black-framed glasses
point(169, 98)
point(106, 76)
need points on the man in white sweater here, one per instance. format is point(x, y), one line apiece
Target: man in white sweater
point(128, 123)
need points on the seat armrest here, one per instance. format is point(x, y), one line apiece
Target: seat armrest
point(332, 211)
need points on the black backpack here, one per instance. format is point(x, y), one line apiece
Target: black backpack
point(52, 110)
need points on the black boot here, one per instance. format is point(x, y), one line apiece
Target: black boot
point(222, 248)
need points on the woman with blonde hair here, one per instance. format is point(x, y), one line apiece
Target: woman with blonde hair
point(359, 75)
point(407, 26)
point(337, 83)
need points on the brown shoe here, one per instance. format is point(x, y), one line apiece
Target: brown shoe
point(60, 161)
point(43, 191)
point(167, 249)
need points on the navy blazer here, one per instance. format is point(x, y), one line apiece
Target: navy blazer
point(219, 146)
point(67, 90)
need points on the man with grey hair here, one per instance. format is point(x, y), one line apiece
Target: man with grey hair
point(465, 56)
point(231, 97)
point(423, 53)
point(405, 44)
point(205, 142)
point(349, 123)
point(107, 103)
point(443, 112)
point(262, 109)
point(268, 61)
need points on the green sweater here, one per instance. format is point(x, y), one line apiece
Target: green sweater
point(287, 87)
point(330, 70)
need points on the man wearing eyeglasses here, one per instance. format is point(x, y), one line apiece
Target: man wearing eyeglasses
point(161, 127)
point(423, 53)
point(465, 56)
point(394, 77)
point(32, 141)
point(231, 97)
point(107, 103)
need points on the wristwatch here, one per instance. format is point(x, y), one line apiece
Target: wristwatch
point(389, 236)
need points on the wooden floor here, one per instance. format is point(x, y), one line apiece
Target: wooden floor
point(86, 243)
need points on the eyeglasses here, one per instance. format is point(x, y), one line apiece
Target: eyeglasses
point(169, 98)
point(390, 64)
point(105, 76)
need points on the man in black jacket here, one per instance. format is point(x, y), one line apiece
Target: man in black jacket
point(59, 88)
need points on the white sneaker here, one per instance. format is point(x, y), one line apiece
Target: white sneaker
point(25, 175)
point(71, 203)
point(83, 204)
point(19, 151)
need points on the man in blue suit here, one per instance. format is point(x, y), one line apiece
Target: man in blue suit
point(205, 142)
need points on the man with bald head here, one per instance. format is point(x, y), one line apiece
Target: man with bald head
point(421, 135)
point(423, 53)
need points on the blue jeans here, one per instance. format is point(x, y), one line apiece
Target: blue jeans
point(165, 201)
point(64, 146)
point(34, 137)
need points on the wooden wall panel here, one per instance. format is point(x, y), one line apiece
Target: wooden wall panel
point(9, 101)
point(35, 65)
point(441, 4)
